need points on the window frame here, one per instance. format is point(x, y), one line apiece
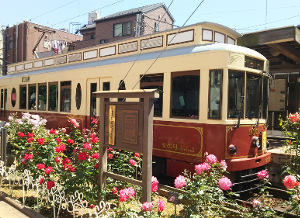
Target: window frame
point(13, 91)
point(57, 96)
point(28, 96)
point(221, 95)
point(224, 35)
point(122, 29)
point(38, 94)
point(179, 74)
point(212, 35)
point(60, 100)
point(20, 105)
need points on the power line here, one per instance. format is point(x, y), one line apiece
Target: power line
point(54, 9)
point(274, 21)
point(151, 65)
point(127, 73)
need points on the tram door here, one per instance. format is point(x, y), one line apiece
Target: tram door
point(92, 86)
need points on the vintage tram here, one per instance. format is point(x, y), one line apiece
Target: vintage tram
point(213, 93)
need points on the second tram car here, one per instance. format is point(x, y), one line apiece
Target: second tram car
point(213, 93)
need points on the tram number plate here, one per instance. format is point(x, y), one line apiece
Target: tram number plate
point(264, 140)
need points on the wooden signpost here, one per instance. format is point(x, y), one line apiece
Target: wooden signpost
point(128, 126)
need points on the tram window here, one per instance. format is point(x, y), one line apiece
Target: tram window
point(106, 86)
point(253, 96)
point(2, 100)
point(154, 81)
point(52, 96)
point(5, 99)
point(93, 88)
point(215, 93)
point(185, 94)
point(254, 63)
point(65, 96)
point(219, 37)
point(13, 97)
point(236, 94)
point(32, 97)
point(23, 97)
point(230, 40)
point(78, 96)
point(265, 97)
point(207, 35)
point(42, 93)
point(122, 87)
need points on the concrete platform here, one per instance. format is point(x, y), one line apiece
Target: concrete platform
point(8, 211)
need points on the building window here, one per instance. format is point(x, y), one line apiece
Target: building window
point(106, 86)
point(122, 29)
point(65, 96)
point(92, 36)
point(52, 96)
point(78, 96)
point(23, 97)
point(215, 94)
point(42, 93)
point(103, 41)
point(156, 27)
point(236, 94)
point(185, 94)
point(13, 97)
point(10, 43)
point(32, 97)
point(154, 81)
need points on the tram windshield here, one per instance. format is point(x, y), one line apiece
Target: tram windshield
point(247, 95)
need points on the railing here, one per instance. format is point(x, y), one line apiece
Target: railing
point(13, 180)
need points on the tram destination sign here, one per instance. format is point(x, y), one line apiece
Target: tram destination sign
point(124, 125)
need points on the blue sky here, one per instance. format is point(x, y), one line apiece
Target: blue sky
point(242, 15)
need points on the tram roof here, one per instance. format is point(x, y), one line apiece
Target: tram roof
point(147, 56)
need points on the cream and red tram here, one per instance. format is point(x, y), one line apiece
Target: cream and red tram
point(213, 93)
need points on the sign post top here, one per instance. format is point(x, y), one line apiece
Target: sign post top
point(137, 93)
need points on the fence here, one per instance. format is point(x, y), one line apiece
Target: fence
point(12, 180)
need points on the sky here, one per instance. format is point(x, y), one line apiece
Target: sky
point(242, 15)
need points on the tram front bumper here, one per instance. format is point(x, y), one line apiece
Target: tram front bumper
point(248, 163)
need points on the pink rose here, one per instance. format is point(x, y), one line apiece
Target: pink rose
point(160, 205)
point(147, 206)
point(132, 162)
point(154, 184)
point(180, 182)
point(87, 146)
point(225, 183)
point(290, 181)
point(75, 123)
point(263, 174)
point(211, 159)
point(40, 166)
point(200, 168)
point(48, 170)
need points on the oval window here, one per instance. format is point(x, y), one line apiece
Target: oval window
point(13, 97)
point(78, 96)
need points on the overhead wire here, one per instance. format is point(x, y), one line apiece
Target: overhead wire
point(138, 55)
point(159, 55)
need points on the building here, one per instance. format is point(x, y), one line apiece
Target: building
point(27, 41)
point(1, 49)
point(125, 24)
point(281, 46)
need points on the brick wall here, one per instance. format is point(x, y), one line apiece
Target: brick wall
point(158, 14)
point(25, 37)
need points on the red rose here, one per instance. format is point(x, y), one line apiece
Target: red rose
point(96, 155)
point(87, 146)
point(58, 140)
point(41, 180)
point(40, 166)
point(82, 156)
point(57, 159)
point(52, 131)
point(96, 165)
point(137, 155)
point(110, 149)
point(66, 161)
point(94, 120)
point(50, 184)
point(21, 134)
point(95, 140)
point(70, 141)
point(115, 190)
point(41, 141)
point(29, 140)
point(48, 170)
point(28, 156)
point(30, 135)
point(110, 156)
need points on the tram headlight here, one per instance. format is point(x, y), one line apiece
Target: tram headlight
point(232, 149)
point(255, 142)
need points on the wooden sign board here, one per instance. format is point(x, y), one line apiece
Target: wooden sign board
point(124, 125)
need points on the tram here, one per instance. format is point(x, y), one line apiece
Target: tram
point(213, 94)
